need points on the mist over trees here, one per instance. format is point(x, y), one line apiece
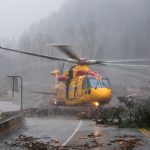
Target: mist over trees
point(102, 29)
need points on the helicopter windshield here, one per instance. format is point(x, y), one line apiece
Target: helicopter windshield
point(103, 83)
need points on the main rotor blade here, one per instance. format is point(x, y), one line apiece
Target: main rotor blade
point(66, 50)
point(128, 61)
point(125, 65)
point(33, 54)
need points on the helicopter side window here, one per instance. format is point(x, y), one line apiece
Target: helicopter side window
point(85, 84)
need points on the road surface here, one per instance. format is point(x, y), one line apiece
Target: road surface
point(80, 134)
point(6, 106)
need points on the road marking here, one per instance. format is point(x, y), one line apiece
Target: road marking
point(145, 132)
point(72, 135)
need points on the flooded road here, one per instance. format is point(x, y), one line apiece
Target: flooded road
point(71, 133)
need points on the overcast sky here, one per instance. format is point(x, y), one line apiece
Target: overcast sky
point(18, 15)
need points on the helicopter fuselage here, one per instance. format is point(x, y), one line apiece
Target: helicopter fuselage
point(83, 86)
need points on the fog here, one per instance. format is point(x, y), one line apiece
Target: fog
point(101, 29)
point(17, 15)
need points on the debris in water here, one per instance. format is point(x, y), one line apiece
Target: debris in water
point(32, 143)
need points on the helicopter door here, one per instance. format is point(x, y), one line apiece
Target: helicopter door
point(72, 90)
point(85, 86)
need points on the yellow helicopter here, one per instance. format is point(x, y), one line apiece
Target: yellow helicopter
point(80, 85)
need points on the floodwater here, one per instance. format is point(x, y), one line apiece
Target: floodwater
point(82, 134)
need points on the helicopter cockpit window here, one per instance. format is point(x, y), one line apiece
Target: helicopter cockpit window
point(103, 83)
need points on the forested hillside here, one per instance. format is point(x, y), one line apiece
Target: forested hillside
point(106, 29)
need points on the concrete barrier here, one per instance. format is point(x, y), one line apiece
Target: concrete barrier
point(11, 124)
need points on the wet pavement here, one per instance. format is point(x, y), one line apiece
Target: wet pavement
point(95, 137)
point(6, 106)
point(44, 129)
point(69, 133)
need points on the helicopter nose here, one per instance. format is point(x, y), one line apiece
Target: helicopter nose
point(101, 94)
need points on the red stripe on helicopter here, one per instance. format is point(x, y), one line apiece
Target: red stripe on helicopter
point(92, 73)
